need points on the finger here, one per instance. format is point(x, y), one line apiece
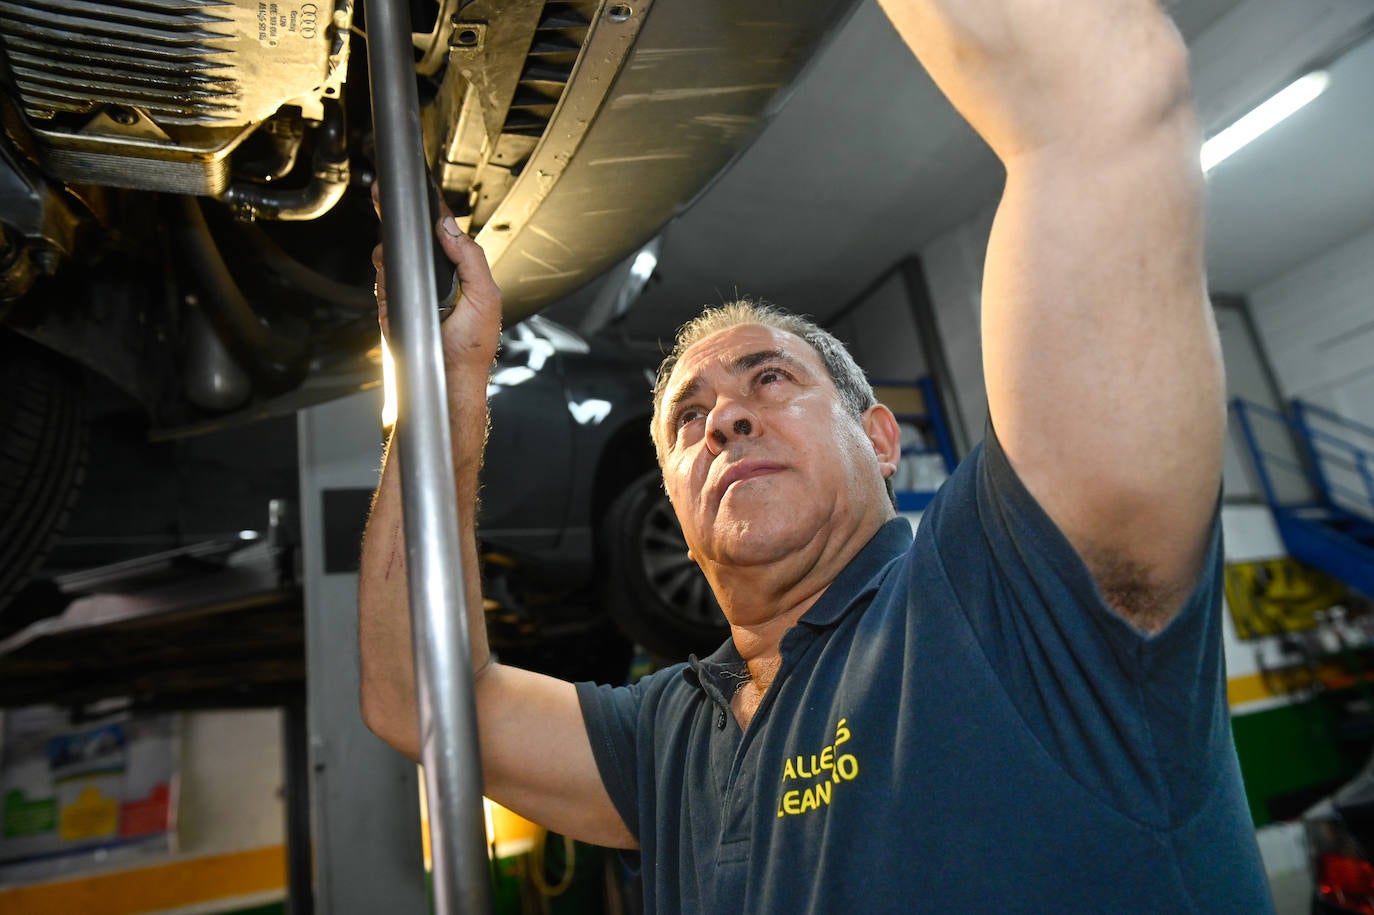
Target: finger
point(377, 197)
point(377, 259)
point(473, 271)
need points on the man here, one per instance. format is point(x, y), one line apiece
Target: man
point(1024, 709)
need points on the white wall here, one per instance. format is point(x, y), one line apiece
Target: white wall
point(365, 812)
point(1259, 45)
point(1248, 378)
point(954, 274)
point(880, 332)
point(228, 799)
point(1317, 325)
point(231, 782)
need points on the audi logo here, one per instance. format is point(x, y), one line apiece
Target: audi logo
point(310, 13)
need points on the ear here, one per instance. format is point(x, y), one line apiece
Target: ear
point(881, 428)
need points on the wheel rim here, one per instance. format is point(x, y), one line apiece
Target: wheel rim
point(675, 579)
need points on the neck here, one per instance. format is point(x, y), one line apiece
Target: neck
point(762, 602)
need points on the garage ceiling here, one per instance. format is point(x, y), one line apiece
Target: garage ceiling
point(866, 163)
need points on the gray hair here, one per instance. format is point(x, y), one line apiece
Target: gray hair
point(850, 381)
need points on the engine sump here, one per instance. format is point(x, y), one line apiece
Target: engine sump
point(108, 84)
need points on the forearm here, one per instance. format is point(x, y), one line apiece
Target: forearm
point(536, 754)
point(1035, 74)
point(1094, 293)
point(387, 655)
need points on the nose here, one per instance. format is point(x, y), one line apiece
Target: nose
point(728, 419)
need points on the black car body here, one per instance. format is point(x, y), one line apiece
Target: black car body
point(581, 553)
point(574, 519)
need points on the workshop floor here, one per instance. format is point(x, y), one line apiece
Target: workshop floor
point(1292, 893)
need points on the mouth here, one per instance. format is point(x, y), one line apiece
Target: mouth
point(743, 472)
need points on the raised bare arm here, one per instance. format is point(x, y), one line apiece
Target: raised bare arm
point(536, 758)
point(1101, 358)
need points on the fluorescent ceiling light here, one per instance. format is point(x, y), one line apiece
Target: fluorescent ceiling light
point(1269, 113)
point(644, 264)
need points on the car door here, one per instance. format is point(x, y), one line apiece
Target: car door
point(525, 478)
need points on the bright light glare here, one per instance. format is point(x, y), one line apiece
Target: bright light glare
point(389, 386)
point(491, 827)
point(1269, 113)
point(644, 265)
point(510, 376)
point(591, 411)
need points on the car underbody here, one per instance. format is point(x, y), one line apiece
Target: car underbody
point(185, 222)
point(184, 185)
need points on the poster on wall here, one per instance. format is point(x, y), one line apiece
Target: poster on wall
point(77, 795)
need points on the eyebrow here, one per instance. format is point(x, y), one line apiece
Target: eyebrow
point(754, 360)
point(741, 365)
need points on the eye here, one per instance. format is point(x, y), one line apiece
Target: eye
point(770, 375)
point(687, 415)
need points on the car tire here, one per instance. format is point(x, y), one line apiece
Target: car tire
point(654, 592)
point(43, 454)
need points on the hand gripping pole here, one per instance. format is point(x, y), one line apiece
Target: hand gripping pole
point(443, 662)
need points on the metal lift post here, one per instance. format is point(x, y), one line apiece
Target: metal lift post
point(443, 662)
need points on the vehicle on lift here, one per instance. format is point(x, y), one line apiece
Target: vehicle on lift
point(582, 556)
point(184, 213)
point(575, 525)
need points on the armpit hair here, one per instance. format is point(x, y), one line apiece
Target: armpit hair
point(1134, 591)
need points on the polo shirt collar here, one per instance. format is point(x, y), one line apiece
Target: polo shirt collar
point(862, 576)
point(720, 672)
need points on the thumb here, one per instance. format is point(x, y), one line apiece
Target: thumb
point(474, 274)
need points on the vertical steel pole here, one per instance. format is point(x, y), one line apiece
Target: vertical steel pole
point(300, 891)
point(443, 663)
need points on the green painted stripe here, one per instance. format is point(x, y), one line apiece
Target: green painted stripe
point(1293, 755)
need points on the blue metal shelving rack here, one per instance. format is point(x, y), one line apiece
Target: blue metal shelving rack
point(916, 403)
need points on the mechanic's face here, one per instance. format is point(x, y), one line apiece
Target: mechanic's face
point(762, 459)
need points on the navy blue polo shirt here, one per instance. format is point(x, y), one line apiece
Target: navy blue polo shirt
point(959, 724)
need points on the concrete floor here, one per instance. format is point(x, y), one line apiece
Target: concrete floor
point(1292, 893)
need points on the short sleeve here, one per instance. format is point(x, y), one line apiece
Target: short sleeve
point(612, 715)
point(1125, 713)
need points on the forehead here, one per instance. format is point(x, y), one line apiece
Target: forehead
point(722, 349)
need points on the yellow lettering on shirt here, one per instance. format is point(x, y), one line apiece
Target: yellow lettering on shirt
point(828, 767)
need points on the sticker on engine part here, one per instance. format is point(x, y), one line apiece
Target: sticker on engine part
point(272, 22)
